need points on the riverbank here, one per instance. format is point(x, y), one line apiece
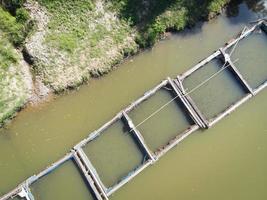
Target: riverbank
point(70, 44)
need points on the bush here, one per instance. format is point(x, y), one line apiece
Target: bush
point(22, 15)
point(7, 56)
point(10, 27)
point(154, 17)
point(12, 5)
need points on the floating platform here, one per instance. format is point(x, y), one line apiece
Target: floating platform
point(176, 87)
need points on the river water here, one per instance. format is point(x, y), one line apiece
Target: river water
point(227, 161)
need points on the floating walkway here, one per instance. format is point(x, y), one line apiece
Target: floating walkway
point(90, 174)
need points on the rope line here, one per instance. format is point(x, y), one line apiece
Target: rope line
point(232, 51)
point(208, 79)
point(198, 86)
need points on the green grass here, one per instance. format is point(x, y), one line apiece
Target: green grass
point(69, 22)
point(15, 21)
point(14, 27)
point(13, 30)
point(156, 16)
point(216, 5)
point(12, 90)
point(83, 39)
point(7, 55)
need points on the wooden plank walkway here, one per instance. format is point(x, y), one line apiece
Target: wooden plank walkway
point(139, 137)
point(87, 169)
point(227, 60)
point(188, 106)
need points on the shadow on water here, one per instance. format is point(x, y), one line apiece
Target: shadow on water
point(237, 11)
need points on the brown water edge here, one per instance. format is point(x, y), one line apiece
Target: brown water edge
point(38, 137)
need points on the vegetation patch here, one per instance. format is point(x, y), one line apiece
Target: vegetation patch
point(13, 90)
point(70, 41)
point(81, 38)
point(15, 27)
point(154, 17)
point(7, 56)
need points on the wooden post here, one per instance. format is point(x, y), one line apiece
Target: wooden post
point(92, 171)
point(264, 27)
point(88, 177)
point(236, 71)
point(199, 65)
point(88, 169)
point(192, 103)
point(139, 137)
point(261, 87)
point(195, 116)
point(26, 193)
point(229, 110)
point(177, 140)
point(129, 177)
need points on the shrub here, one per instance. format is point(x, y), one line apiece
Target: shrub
point(11, 28)
point(12, 5)
point(22, 15)
point(7, 56)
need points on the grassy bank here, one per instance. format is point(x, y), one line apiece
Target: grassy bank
point(68, 42)
point(13, 89)
point(153, 17)
point(82, 39)
point(78, 40)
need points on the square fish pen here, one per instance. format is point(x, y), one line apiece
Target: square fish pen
point(161, 119)
point(66, 182)
point(253, 66)
point(186, 115)
point(213, 88)
point(115, 153)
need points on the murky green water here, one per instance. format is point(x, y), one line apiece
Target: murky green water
point(64, 183)
point(173, 116)
point(225, 162)
point(16, 198)
point(114, 154)
point(253, 67)
point(218, 93)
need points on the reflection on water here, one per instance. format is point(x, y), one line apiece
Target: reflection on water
point(235, 8)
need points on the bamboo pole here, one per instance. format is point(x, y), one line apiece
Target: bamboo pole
point(85, 160)
point(229, 110)
point(244, 83)
point(177, 140)
point(139, 137)
point(114, 188)
point(88, 178)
